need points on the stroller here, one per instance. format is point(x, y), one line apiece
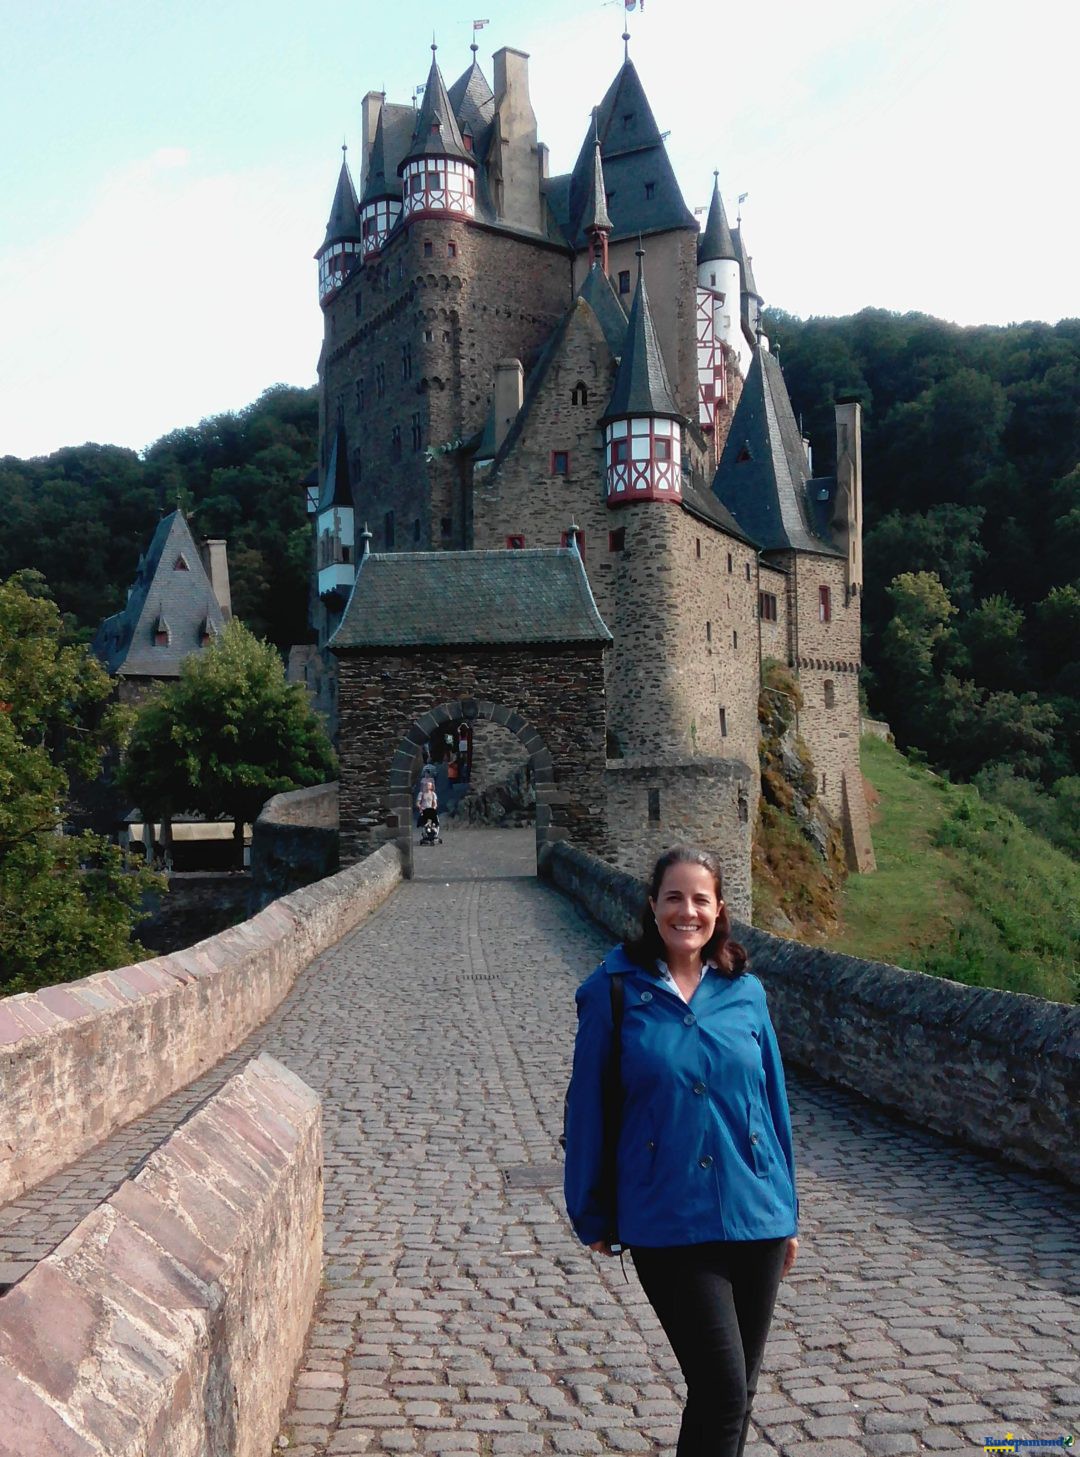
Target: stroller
point(427, 804)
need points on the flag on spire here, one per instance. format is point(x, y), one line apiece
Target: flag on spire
point(479, 24)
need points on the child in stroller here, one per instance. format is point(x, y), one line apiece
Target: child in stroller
point(427, 806)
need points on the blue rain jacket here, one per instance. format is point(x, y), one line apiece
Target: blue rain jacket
point(704, 1150)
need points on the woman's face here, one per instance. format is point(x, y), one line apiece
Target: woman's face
point(686, 909)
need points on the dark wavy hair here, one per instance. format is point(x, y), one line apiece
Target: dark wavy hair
point(647, 948)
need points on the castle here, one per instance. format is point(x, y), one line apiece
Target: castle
point(520, 363)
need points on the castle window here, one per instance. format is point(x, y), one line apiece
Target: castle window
point(429, 248)
point(406, 361)
point(446, 526)
point(579, 395)
point(388, 530)
point(415, 184)
point(620, 450)
point(650, 189)
point(161, 638)
point(467, 139)
point(451, 250)
point(723, 723)
point(616, 540)
point(654, 806)
point(697, 539)
point(565, 541)
point(748, 572)
point(380, 380)
point(734, 637)
point(624, 280)
point(395, 443)
point(416, 530)
point(515, 543)
point(708, 632)
point(628, 120)
point(180, 564)
point(730, 563)
point(767, 606)
point(346, 554)
point(662, 451)
point(824, 604)
point(560, 462)
point(744, 808)
point(359, 394)
point(712, 280)
point(417, 438)
point(824, 782)
point(429, 336)
point(830, 693)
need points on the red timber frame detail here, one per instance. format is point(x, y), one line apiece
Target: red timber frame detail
point(711, 362)
point(443, 186)
point(377, 220)
point(644, 460)
point(334, 267)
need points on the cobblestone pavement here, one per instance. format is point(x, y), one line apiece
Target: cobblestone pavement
point(936, 1302)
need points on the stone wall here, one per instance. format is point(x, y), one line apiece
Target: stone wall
point(197, 904)
point(170, 1322)
point(997, 1070)
point(294, 841)
point(700, 802)
point(80, 1060)
point(551, 697)
point(497, 756)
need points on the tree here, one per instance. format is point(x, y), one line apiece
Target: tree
point(68, 902)
point(226, 736)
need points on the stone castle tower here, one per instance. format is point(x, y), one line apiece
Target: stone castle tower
point(517, 360)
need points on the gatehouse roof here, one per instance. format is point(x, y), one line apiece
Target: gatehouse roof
point(470, 599)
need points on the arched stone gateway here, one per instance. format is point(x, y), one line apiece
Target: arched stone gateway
point(406, 763)
point(432, 638)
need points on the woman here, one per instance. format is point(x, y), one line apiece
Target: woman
point(692, 1165)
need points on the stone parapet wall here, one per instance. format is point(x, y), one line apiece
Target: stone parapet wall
point(997, 1070)
point(294, 841)
point(80, 1060)
point(170, 1321)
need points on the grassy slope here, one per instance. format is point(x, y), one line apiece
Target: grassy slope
point(962, 889)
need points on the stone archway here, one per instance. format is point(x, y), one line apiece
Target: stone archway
point(406, 763)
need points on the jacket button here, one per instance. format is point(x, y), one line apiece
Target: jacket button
point(753, 1138)
point(646, 996)
point(651, 1144)
point(689, 1019)
point(706, 1162)
point(699, 1087)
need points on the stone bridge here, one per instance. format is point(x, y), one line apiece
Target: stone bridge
point(935, 1305)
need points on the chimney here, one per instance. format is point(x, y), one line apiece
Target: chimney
point(847, 512)
point(517, 134)
point(216, 564)
point(509, 393)
point(370, 108)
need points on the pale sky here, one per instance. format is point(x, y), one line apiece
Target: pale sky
point(167, 168)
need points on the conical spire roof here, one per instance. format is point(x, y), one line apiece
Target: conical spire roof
point(642, 386)
point(377, 183)
point(748, 284)
point(716, 241)
point(336, 490)
point(596, 214)
point(472, 99)
point(436, 133)
point(343, 225)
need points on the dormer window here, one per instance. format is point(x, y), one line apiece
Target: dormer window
point(650, 189)
point(628, 120)
point(467, 139)
point(207, 632)
point(180, 564)
point(744, 454)
point(624, 281)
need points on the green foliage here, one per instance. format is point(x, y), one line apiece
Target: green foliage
point(963, 888)
point(226, 736)
point(971, 448)
point(68, 902)
point(83, 514)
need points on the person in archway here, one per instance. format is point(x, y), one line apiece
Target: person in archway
point(427, 806)
point(678, 1141)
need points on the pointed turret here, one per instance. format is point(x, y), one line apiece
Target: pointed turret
point(597, 222)
point(642, 423)
point(716, 242)
point(720, 332)
point(380, 206)
point(343, 235)
point(334, 527)
point(438, 171)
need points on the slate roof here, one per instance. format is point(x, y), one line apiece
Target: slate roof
point(633, 154)
point(183, 598)
point(716, 241)
point(769, 492)
point(336, 490)
point(606, 305)
point(436, 133)
point(473, 100)
point(748, 284)
point(596, 213)
point(701, 502)
point(343, 225)
point(470, 599)
point(641, 386)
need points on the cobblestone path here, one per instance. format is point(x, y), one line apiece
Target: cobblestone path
point(936, 1302)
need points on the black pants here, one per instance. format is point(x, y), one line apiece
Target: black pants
point(715, 1302)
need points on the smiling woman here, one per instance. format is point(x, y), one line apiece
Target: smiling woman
point(678, 1141)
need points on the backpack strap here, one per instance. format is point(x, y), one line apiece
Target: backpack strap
point(613, 1100)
